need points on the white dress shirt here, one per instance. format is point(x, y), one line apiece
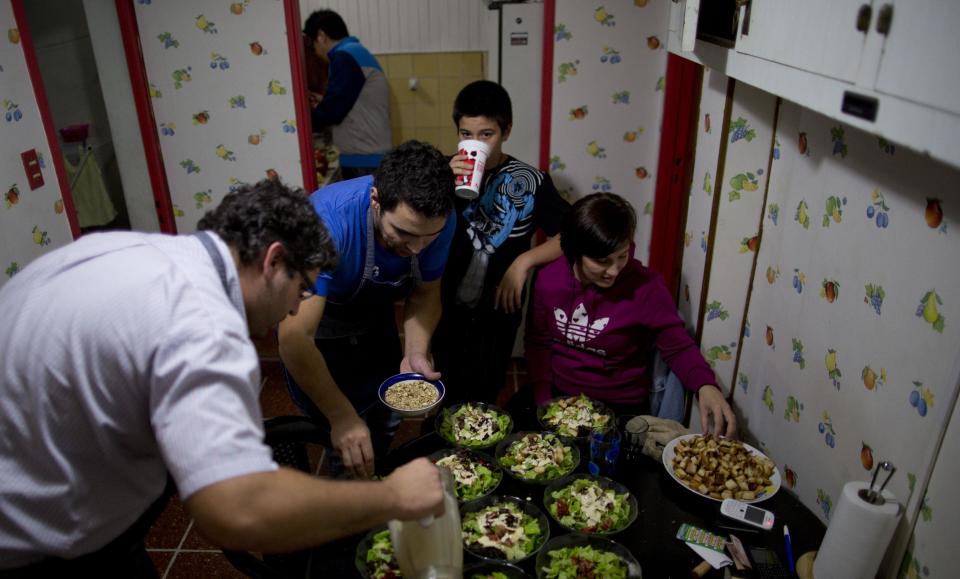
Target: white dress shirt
point(121, 357)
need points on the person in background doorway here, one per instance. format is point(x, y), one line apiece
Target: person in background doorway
point(127, 356)
point(315, 69)
point(392, 232)
point(598, 313)
point(483, 290)
point(357, 100)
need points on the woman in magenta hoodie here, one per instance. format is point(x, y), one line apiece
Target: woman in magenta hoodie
point(598, 313)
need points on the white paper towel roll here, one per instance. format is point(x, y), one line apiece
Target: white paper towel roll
point(857, 536)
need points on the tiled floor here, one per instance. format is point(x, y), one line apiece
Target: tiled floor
point(175, 546)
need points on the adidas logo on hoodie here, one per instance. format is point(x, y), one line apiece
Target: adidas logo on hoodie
point(578, 330)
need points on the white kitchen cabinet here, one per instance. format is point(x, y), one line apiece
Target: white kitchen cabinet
point(819, 36)
point(888, 67)
point(921, 53)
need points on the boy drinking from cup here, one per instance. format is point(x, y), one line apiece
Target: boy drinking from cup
point(491, 254)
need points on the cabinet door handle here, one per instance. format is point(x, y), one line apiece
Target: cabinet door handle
point(745, 29)
point(863, 18)
point(885, 19)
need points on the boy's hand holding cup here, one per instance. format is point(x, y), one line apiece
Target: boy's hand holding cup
point(468, 165)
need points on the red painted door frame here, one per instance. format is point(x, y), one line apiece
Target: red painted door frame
point(26, 42)
point(677, 144)
point(300, 102)
point(546, 82)
point(148, 125)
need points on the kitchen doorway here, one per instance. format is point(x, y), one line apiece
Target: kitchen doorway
point(67, 66)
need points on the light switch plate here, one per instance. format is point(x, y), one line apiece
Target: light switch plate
point(31, 166)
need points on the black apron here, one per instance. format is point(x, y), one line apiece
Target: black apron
point(360, 344)
point(371, 303)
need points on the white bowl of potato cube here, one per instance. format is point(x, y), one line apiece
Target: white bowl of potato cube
point(718, 468)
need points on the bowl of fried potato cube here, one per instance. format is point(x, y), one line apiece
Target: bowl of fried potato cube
point(721, 468)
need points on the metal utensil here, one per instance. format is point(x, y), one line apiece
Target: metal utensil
point(887, 466)
point(874, 495)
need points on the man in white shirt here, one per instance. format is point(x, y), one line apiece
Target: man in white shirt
point(127, 356)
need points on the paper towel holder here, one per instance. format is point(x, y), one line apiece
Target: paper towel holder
point(875, 497)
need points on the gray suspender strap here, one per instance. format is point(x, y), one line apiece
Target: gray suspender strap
point(211, 248)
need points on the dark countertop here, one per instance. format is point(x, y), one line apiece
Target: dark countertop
point(663, 506)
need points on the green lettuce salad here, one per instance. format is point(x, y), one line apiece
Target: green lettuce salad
point(474, 426)
point(381, 562)
point(473, 476)
point(585, 562)
point(494, 575)
point(585, 506)
point(501, 531)
point(538, 457)
point(575, 416)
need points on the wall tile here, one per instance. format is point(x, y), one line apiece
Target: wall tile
point(450, 64)
point(401, 65)
point(850, 355)
point(449, 89)
point(428, 134)
point(748, 135)
point(222, 99)
point(425, 115)
point(431, 105)
point(710, 132)
point(426, 65)
point(474, 64)
point(607, 102)
point(428, 92)
point(400, 90)
point(932, 550)
point(32, 222)
point(448, 141)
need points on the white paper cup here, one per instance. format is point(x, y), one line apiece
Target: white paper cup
point(468, 186)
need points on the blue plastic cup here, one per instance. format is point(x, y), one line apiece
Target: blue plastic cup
point(604, 451)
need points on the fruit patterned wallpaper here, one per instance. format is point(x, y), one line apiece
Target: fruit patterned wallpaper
point(849, 355)
point(695, 238)
point(740, 183)
point(32, 222)
point(608, 72)
point(932, 552)
point(867, 363)
point(220, 84)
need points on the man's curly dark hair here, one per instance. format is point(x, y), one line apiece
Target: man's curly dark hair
point(253, 217)
point(417, 174)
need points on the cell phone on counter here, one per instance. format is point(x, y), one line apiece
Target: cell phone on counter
point(748, 514)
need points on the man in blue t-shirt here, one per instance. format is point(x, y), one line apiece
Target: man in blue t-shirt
point(392, 233)
point(357, 100)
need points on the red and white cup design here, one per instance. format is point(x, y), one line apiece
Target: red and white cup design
point(468, 186)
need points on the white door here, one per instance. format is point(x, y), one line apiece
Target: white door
point(818, 36)
point(920, 53)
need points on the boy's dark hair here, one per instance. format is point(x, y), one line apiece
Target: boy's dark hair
point(417, 174)
point(596, 226)
point(253, 217)
point(484, 98)
point(328, 21)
